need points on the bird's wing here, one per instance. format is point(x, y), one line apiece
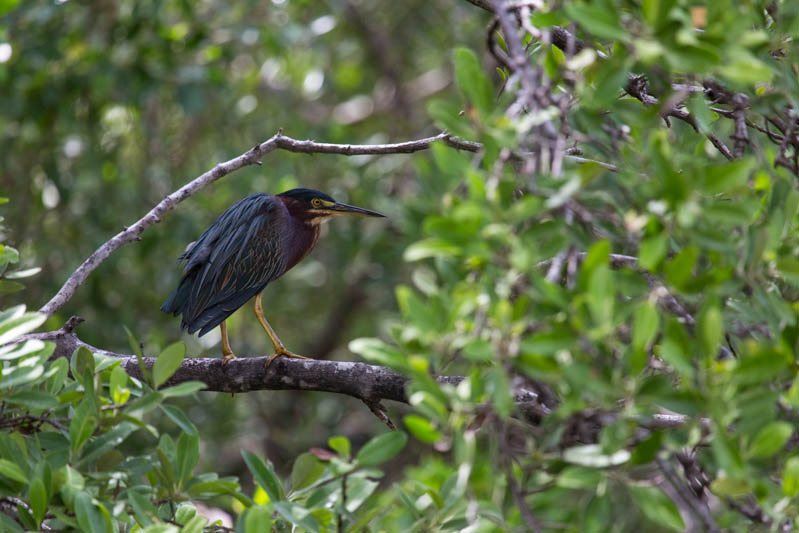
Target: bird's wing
point(234, 260)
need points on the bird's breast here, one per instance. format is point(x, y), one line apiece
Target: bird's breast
point(300, 240)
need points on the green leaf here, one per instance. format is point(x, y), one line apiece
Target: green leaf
point(144, 404)
point(601, 22)
point(593, 456)
point(501, 395)
point(17, 351)
point(73, 483)
point(265, 476)
point(381, 448)
point(20, 274)
point(89, 519)
point(646, 323)
point(38, 499)
point(9, 524)
point(760, 367)
point(33, 399)
point(135, 345)
point(479, 351)
point(379, 352)
point(188, 452)
point(727, 487)
point(728, 177)
point(26, 517)
point(471, 80)
point(727, 454)
point(116, 385)
point(183, 389)
point(601, 295)
point(597, 255)
point(184, 513)
point(680, 269)
point(144, 511)
point(340, 445)
point(195, 525)
point(258, 519)
point(358, 490)
point(22, 375)
point(790, 477)
point(10, 287)
point(13, 328)
point(421, 428)
point(432, 247)
point(83, 362)
point(657, 507)
point(12, 471)
point(652, 251)
point(106, 441)
point(5, 7)
point(8, 254)
point(178, 416)
point(306, 470)
point(675, 348)
point(81, 427)
point(746, 69)
point(167, 363)
point(771, 439)
point(579, 477)
point(298, 515)
point(711, 328)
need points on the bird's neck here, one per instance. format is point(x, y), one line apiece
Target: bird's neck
point(304, 235)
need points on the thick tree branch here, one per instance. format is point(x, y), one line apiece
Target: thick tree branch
point(368, 383)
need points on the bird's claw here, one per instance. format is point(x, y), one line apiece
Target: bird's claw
point(226, 358)
point(284, 353)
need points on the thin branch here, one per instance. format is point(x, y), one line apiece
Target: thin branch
point(637, 87)
point(530, 521)
point(686, 494)
point(379, 410)
point(251, 157)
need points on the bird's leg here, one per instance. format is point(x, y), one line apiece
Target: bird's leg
point(227, 353)
point(279, 348)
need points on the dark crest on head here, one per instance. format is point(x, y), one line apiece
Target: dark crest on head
point(306, 195)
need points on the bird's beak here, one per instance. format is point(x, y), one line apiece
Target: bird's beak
point(344, 209)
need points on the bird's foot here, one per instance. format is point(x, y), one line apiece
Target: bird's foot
point(226, 357)
point(284, 353)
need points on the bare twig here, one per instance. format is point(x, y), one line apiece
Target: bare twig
point(691, 500)
point(637, 87)
point(517, 59)
point(530, 521)
point(379, 410)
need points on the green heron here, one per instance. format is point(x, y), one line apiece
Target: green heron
point(257, 240)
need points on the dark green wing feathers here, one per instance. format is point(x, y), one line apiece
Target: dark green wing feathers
point(232, 261)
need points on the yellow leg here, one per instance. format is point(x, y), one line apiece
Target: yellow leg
point(279, 348)
point(227, 353)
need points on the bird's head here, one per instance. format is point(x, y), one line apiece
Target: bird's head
point(315, 206)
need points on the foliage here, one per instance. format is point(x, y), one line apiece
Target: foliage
point(665, 286)
point(66, 463)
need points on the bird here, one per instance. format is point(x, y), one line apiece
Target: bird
point(254, 242)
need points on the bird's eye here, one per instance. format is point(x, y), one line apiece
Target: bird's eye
point(316, 202)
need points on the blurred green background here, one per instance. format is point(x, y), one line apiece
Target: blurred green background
point(109, 106)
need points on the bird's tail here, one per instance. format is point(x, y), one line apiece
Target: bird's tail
point(176, 302)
